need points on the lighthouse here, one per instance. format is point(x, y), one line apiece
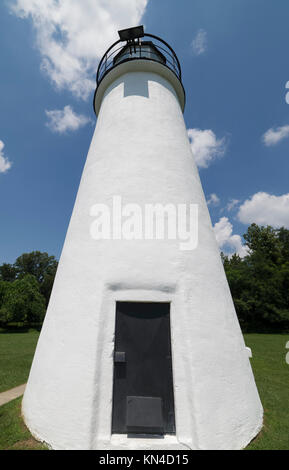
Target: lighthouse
point(141, 347)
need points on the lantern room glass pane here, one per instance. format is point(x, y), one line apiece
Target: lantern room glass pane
point(139, 51)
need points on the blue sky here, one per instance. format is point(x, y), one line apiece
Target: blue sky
point(234, 60)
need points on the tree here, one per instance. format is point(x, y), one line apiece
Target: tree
point(42, 266)
point(46, 286)
point(36, 263)
point(260, 282)
point(283, 235)
point(22, 302)
point(8, 272)
point(264, 241)
point(3, 287)
point(25, 288)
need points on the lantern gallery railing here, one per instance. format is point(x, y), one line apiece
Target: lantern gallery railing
point(147, 47)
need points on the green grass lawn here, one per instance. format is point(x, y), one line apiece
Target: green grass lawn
point(270, 370)
point(13, 433)
point(272, 378)
point(16, 354)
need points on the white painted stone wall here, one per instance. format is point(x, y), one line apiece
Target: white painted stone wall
point(140, 150)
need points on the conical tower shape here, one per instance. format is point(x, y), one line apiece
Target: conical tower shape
point(141, 339)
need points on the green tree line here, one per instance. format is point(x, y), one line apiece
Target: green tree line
point(25, 288)
point(259, 283)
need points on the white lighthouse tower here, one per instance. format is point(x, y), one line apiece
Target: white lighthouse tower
point(141, 346)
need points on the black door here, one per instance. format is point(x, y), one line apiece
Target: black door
point(143, 399)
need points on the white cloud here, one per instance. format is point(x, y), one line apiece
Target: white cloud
point(274, 136)
point(213, 200)
point(5, 164)
point(232, 204)
point(200, 42)
point(72, 35)
point(265, 209)
point(205, 146)
point(61, 121)
point(228, 242)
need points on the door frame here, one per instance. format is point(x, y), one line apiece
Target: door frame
point(101, 417)
point(171, 377)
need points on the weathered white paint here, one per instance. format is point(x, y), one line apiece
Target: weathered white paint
point(140, 150)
